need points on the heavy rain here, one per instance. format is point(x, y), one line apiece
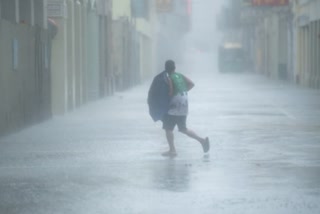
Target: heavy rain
point(159, 106)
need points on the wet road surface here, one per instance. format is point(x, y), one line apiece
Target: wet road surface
point(105, 156)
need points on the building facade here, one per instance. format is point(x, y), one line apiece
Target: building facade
point(25, 42)
point(133, 41)
point(57, 55)
point(283, 38)
point(307, 42)
point(81, 53)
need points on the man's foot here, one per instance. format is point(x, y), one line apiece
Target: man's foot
point(206, 145)
point(169, 154)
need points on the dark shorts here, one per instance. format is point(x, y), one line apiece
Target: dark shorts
point(170, 121)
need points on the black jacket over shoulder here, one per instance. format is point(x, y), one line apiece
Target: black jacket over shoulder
point(158, 96)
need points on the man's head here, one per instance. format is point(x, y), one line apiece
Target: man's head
point(170, 66)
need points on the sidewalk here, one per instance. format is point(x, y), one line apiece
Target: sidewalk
point(105, 156)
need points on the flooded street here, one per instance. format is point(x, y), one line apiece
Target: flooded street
point(105, 157)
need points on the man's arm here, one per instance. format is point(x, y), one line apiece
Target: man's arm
point(189, 82)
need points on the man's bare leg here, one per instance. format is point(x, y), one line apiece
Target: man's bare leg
point(193, 135)
point(204, 141)
point(170, 140)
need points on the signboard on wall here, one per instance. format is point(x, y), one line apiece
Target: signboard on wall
point(269, 2)
point(57, 8)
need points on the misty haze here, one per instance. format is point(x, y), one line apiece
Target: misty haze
point(159, 106)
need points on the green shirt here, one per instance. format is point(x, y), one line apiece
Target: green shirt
point(179, 83)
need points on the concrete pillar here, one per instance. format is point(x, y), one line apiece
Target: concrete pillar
point(318, 58)
point(2, 88)
point(32, 12)
point(25, 11)
point(17, 14)
point(59, 66)
point(93, 66)
point(78, 53)
point(146, 56)
point(296, 58)
point(102, 55)
point(71, 55)
point(45, 14)
point(312, 54)
point(268, 46)
point(304, 55)
point(265, 47)
point(40, 13)
point(84, 52)
point(317, 54)
point(291, 49)
point(141, 56)
point(308, 55)
point(275, 56)
point(298, 55)
point(282, 59)
point(109, 54)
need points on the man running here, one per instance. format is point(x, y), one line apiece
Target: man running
point(179, 85)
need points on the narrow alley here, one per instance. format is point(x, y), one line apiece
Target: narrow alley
point(105, 157)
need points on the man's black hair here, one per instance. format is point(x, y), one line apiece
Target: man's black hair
point(170, 65)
